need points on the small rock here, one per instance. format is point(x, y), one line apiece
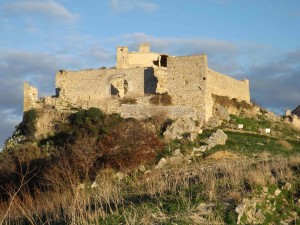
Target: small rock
point(162, 163)
point(265, 189)
point(205, 209)
point(94, 185)
point(177, 152)
point(277, 192)
point(120, 175)
point(288, 186)
point(80, 186)
point(203, 148)
point(142, 168)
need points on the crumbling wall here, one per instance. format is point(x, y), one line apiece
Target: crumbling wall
point(223, 85)
point(30, 97)
point(142, 58)
point(95, 86)
point(161, 73)
point(187, 82)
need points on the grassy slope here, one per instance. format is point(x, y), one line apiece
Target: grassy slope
point(174, 195)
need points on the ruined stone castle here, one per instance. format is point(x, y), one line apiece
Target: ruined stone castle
point(138, 76)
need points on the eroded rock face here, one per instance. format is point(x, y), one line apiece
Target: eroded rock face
point(181, 126)
point(221, 113)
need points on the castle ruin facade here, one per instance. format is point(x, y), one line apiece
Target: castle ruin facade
point(137, 77)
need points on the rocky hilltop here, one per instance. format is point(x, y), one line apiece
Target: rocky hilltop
point(239, 167)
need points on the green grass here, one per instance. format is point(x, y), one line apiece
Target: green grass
point(251, 124)
point(250, 144)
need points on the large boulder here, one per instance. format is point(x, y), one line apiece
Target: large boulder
point(217, 138)
point(181, 126)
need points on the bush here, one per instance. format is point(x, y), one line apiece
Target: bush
point(161, 99)
point(129, 145)
point(131, 101)
point(28, 125)
point(227, 102)
point(89, 121)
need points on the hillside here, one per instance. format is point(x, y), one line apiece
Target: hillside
point(97, 168)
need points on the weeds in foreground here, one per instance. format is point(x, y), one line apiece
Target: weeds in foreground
point(157, 196)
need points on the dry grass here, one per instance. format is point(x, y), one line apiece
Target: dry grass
point(161, 99)
point(211, 182)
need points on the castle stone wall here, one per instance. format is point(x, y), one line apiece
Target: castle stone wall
point(173, 112)
point(223, 85)
point(186, 81)
point(94, 86)
point(142, 58)
point(30, 97)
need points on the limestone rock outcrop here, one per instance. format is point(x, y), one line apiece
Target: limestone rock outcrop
point(181, 126)
point(217, 138)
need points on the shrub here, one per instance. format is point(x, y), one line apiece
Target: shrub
point(28, 125)
point(129, 145)
point(227, 102)
point(131, 101)
point(89, 121)
point(161, 99)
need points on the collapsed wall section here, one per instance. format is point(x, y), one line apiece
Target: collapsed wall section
point(30, 97)
point(187, 82)
point(223, 85)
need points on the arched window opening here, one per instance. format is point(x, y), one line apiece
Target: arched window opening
point(119, 87)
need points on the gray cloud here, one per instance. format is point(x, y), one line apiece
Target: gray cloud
point(128, 5)
point(30, 8)
point(275, 83)
point(39, 69)
point(224, 56)
point(7, 126)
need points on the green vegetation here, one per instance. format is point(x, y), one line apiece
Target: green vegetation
point(251, 124)
point(252, 144)
point(28, 125)
point(99, 169)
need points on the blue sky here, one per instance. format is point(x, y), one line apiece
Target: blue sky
point(257, 39)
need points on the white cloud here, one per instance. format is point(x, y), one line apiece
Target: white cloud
point(48, 9)
point(128, 5)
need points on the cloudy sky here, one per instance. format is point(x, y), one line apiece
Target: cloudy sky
point(257, 39)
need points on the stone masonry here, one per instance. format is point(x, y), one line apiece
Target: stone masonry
point(139, 75)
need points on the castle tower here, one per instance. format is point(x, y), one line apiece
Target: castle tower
point(30, 97)
point(144, 47)
point(122, 58)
